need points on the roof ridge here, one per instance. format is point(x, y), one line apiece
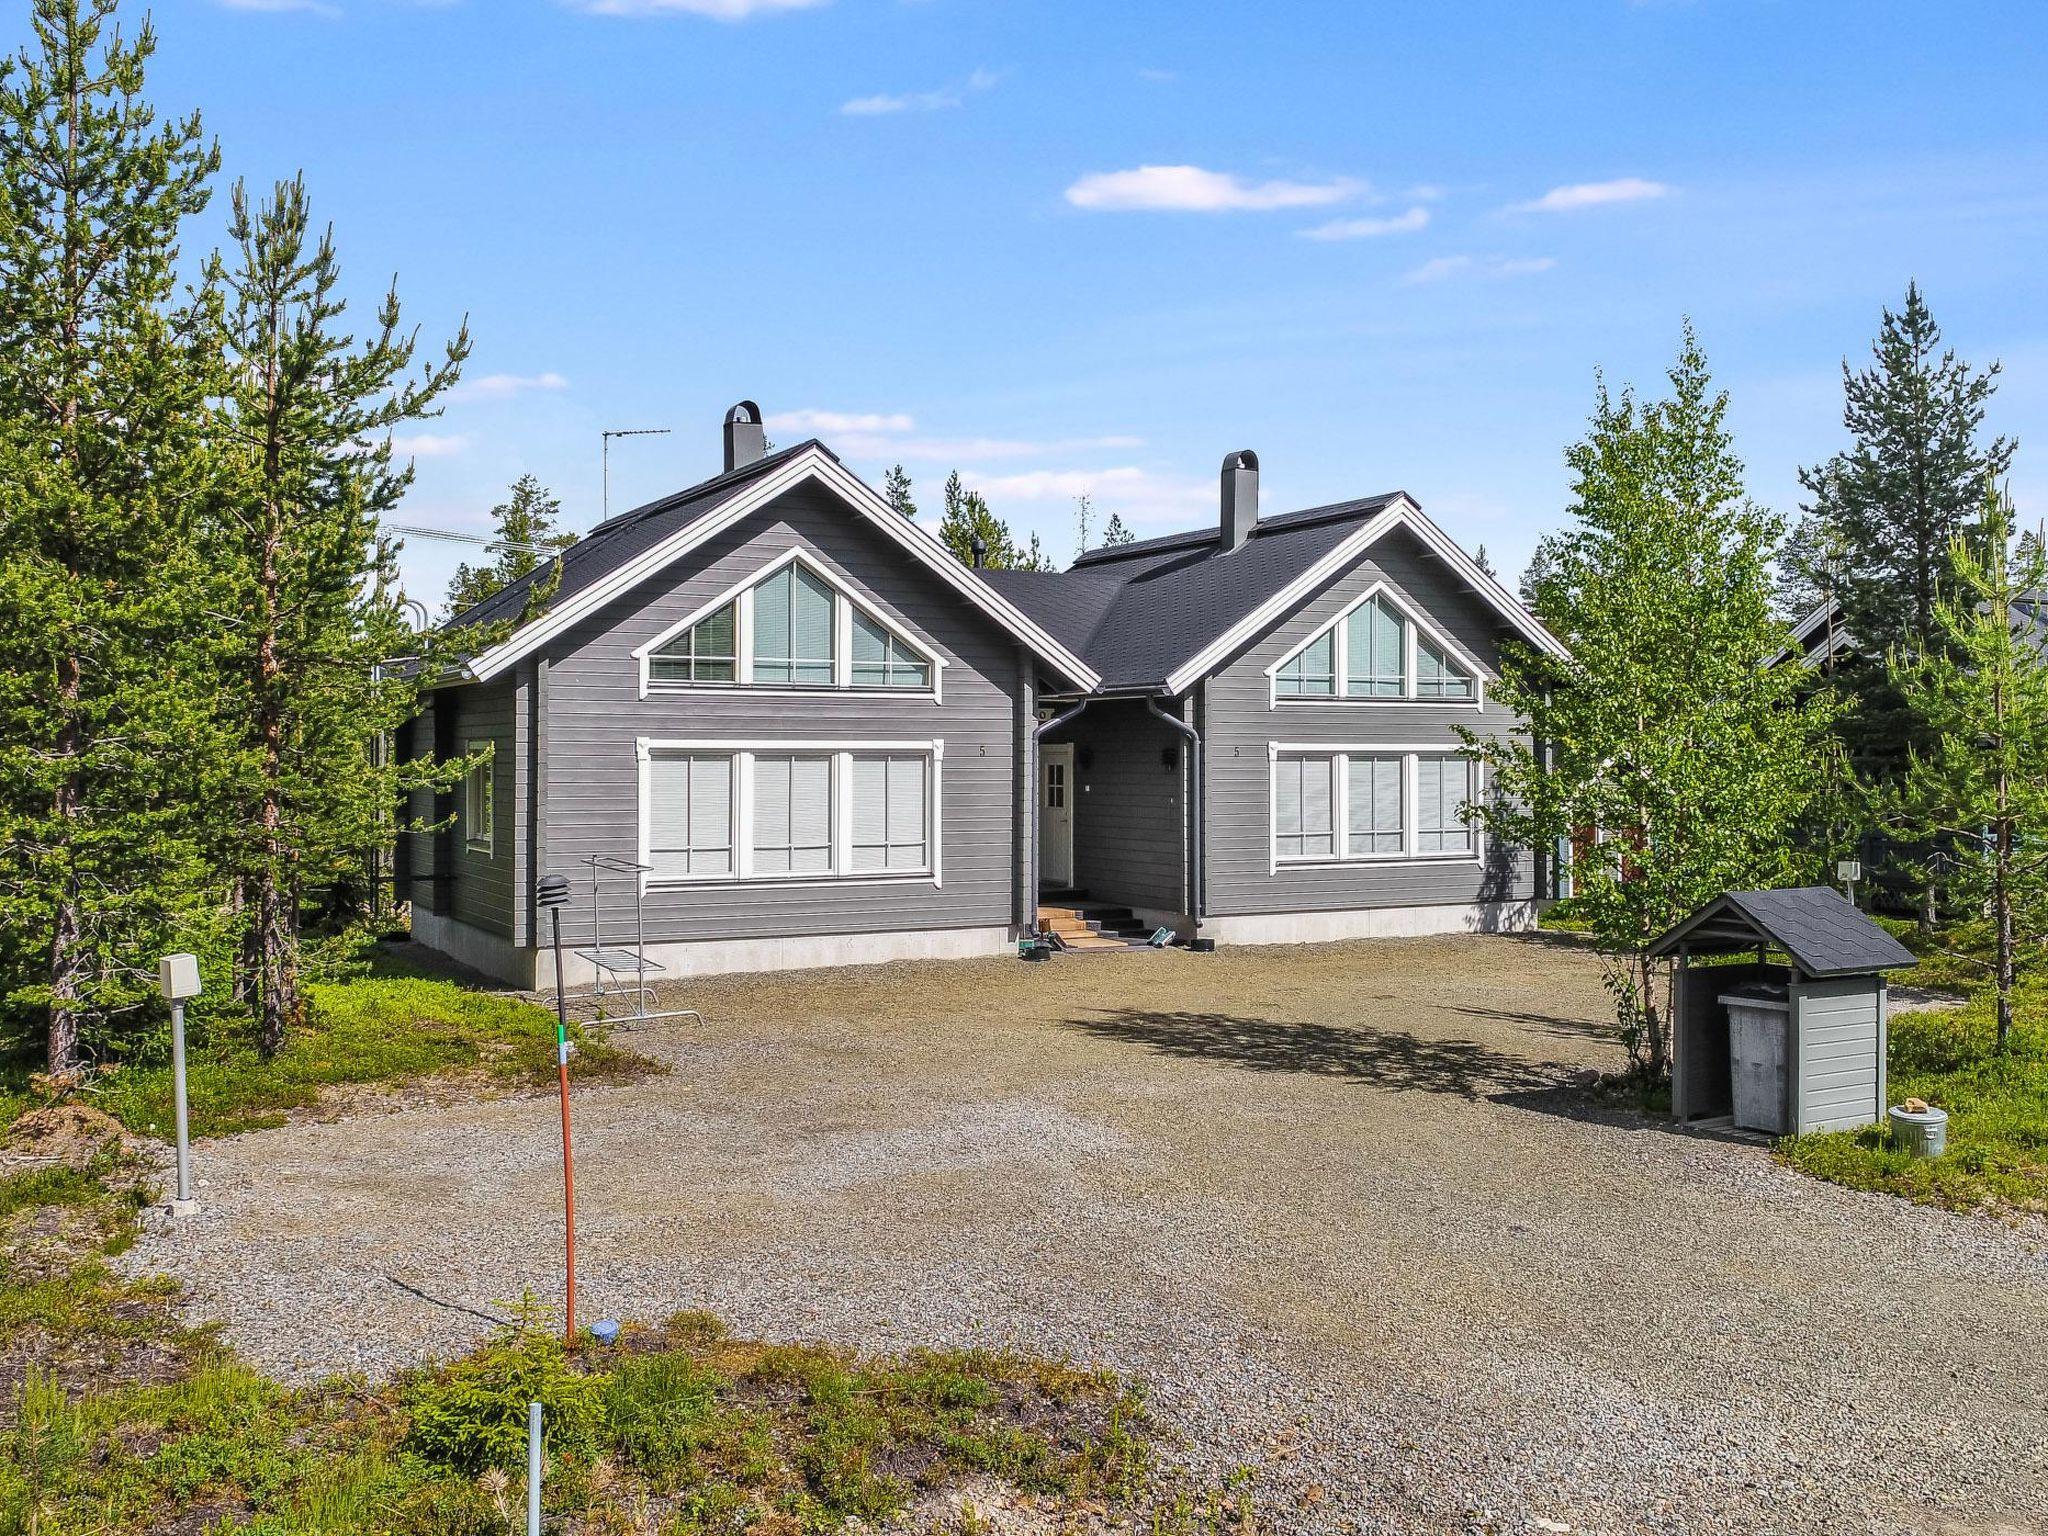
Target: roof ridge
point(1303, 517)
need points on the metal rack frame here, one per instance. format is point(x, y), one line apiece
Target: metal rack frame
point(620, 972)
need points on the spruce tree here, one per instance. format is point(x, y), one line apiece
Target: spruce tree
point(1114, 531)
point(896, 486)
point(309, 412)
point(101, 460)
point(1660, 727)
point(526, 529)
point(967, 518)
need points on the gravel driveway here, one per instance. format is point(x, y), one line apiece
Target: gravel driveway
point(1338, 1208)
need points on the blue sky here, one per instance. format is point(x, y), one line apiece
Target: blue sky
point(1085, 246)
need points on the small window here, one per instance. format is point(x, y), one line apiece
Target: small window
point(880, 660)
point(792, 815)
point(1311, 671)
point(1442, 786)
point(479, 799)
point(1055, 786)
point(705, 653)
point(793, 629)
point(1377, 664)
point(890, 814)
point(1375, 824)
point(690, 816)
point(1437, 676)
point(1305, 807)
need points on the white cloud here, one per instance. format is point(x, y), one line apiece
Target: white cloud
point(500, 386)
point(716, 10)
point(429, 445)
point(920, 101)
point(1443, 267)
point(808, 421)
point(1366, 229)
point(1140, 496)
point(1157, 76)
point(1595, 194)
point(892, 435)
point(1190, 189)
point(278, 7)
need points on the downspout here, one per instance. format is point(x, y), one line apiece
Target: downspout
point(1038, 734)
point(1197, 875)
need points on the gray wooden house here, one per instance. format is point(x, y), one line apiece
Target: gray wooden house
point(823, 740)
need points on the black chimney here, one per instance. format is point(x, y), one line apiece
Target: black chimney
point(1240, 497)
point(745, 438)
point(978, 548)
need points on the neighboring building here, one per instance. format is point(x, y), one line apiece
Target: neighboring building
point(822, 740)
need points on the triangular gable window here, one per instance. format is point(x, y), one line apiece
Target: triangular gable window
point(1376, 649)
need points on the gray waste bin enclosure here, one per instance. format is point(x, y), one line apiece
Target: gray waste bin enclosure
point(1793, 1047)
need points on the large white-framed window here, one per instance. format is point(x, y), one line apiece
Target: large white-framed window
point(792, 626)
point(480, 798)
point(790, 811)
point(1379, 650)
point(1371, 804)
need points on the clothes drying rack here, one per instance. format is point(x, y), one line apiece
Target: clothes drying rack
point(619, 995)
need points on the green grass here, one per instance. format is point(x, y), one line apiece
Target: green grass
point(120, 1419)
point(1997, 1105)
point(382, 1030)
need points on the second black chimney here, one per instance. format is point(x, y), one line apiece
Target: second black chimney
point(745, 438)
point(1240, 498)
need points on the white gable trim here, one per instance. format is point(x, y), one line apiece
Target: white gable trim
point(1417, 625)
point(1402, 513)
point(845, 602)
point(811, 464)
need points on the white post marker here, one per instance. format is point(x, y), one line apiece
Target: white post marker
point(178, 978)
point(533, 1469)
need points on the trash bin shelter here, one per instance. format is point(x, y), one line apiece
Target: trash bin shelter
point(1775, 1047)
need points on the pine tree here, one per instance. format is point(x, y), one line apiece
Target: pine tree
point(1479, 559)
point(101, 459)
point(525, 527)
point(1911, 480)
point(1660, 728)
point(1084, 509)
point(1979, 790)
point(1537, 573)
point(1878, 527)
point(968, 518)
point(1114, 531)
point(896, 486)
point(309, 412)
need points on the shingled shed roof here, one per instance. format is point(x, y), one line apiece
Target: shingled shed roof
point(1822, 932)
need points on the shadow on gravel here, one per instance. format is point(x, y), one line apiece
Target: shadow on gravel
point(1548, 1023)
point(1571, 1100)
point(1385, 1059)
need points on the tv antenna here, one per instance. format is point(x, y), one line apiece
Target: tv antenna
point(608, 436)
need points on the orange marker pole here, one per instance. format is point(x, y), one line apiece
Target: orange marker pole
point(568, 1180)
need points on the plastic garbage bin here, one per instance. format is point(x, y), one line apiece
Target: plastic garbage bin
point(1758, 1020)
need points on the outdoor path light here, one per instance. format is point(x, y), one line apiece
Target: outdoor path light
point(178, 979)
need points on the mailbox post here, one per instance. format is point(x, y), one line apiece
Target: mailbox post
point(178, 978)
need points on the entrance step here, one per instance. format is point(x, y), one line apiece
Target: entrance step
point(1093, 926)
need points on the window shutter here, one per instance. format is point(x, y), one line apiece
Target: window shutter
point(810, 814)
point(811, 629)
point(710, 826)
point(1287, 802)
point(907, 802)
point(870, 813)
point(771, 815)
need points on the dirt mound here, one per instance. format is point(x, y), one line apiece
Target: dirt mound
point(70, 1134)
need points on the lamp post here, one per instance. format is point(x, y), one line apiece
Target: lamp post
point(553, 894)
point(178, 980)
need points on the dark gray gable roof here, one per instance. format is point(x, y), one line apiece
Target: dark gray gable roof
point(613, 542)
point(1135, 612)
point(1814, 924)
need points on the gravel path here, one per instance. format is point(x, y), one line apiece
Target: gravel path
point(1338, 1208)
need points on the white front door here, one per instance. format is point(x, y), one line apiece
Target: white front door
point(1056, 815)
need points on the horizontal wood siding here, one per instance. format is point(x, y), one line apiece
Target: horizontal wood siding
point(1838, 1046)
point(594, 715)
point(1240, 722)
point(1129, 810)
point(485, 887)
